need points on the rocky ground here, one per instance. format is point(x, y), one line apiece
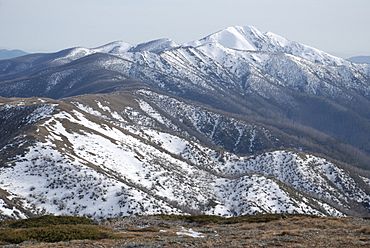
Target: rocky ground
point(165, 231)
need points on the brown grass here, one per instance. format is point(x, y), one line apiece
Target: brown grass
point(365, 230)
point(287, 231)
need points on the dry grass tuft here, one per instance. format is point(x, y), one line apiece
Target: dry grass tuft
point(365, 230)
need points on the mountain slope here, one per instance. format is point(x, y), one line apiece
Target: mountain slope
point(360, 59)
point(88, 156)
point(8, 54)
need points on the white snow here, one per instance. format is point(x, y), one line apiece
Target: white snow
point(117, 47)
point(103, 107)
point(366, 180)
point(232, 38)
point(88, 109)
point(154, 46)
point(168, 142)
point(151, 112)
point(12, 212)
point(190, 232)
point(41, 112)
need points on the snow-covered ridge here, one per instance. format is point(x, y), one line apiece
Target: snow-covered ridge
point(242, 59)
point(154, 46)
point(237, 60)
point(116, 47)
point(242, 38)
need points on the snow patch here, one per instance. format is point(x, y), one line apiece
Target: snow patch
point(190, 233)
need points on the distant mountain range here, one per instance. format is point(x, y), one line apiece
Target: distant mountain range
point(8, 54)
point(238, 122)
point(360, 59)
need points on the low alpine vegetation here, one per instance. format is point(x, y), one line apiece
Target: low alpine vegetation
point(52, 229)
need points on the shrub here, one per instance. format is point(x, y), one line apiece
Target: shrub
point(55, 233)
point(52, 229)
point(49, 220)
point(206, 219)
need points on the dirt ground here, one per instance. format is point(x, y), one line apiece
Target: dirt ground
point(297, 231)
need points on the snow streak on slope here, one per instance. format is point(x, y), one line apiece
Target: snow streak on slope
point(215, 126)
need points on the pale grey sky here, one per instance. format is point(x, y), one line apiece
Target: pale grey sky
point(341, 27)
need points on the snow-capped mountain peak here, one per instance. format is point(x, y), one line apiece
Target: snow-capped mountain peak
point(249, 38)
point(232, 37)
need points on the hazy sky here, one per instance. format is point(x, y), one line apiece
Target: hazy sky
point(341, 27)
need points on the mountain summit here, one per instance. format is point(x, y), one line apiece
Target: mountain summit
point(249, 38)
point(241, 38)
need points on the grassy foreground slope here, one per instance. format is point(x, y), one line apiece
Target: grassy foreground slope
point(188, 231)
